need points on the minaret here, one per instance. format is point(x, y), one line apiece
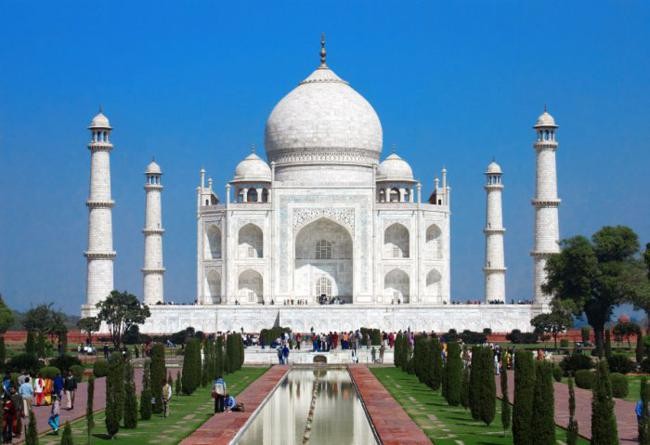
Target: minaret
point(153, 270)
point(494, 270)
point(100, 253)
point(546, 202)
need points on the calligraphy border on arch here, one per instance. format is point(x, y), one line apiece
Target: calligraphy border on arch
point(342, 215)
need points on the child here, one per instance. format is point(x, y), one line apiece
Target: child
point(53, 421)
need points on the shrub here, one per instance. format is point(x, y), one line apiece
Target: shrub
point(585, 334)
point(158, 374)
point(620, 388)
point(64, 362)
point(584, 378)
point(518, 337)
point(49, 372)
point(454, 371)
point(522, 410)
point(28, 362)
point(114, 394)
point(435, 367)
point(473, 338)
point(31, 435)
point(572, 428)
point(557, 373)
point(574, 362)
point(145, 395)
point(620, 363)
point(505, 403)
point(645, 365)
point(487, 387)
point(100, 368)
point(543, 422)
point(130, 398)
point(564, 343)
point(90, 419)
point(77, 372)
point(603, 420)
point(66, 438)
point(192, 366)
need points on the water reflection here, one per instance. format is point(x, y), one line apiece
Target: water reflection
point(338, 417)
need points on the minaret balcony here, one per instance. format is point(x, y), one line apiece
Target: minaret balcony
point(97, 204)
point(100, 146)
point(543, 145)
point(153, 187)
point(546, 202)
point(538, 254)
point(495, 269)
point(494, 230)
point(100, 255)
point(147, 270)
point(153, 231)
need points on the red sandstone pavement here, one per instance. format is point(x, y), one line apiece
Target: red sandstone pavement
point(392, 424)
point(221, 429)
point(625, 416)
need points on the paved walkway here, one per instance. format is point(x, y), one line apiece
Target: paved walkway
point(625, 417)
point(390, 421)
point(221, 429)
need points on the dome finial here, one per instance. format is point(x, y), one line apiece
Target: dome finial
point(323, 51)
point(101, 108)
point(545, 110)
point(253, 148)
point(393, 148)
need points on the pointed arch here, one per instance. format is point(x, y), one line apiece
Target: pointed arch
point(396, 241)
point(213, 244)
point(433, 246)
point(251, 242)
point(397, 286)
point(251, 287)
point(434, 283)
point(213, 288)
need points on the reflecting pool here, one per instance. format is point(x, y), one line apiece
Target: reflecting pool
point(312, 406)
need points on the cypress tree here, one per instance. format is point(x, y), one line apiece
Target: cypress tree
point(3, 352)
point(454, 371)
point(191, 366)
point(219, 365)
point(522, 411)
point(226, 364)
point(130, 398)
point(608, 344)
point(205, 371)
point(90, 418)
point(145, 395)
point(435, 368)
point(241, 351)
point(31, 435)
point(572, 427)
point(464, 390)
point(40, 345)
point(114, 394)
point(178, 387)
point(603, 421)
point(158, 374)
point(30, 344)
point(644, 420)
point(543, 422)
point(487, 387)
point(474, 383)
point(418, 358)
point(505, 402)
point(396, 351)
point(639, 347)
point(66, 438)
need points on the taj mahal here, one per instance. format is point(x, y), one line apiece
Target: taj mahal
point(325, 232)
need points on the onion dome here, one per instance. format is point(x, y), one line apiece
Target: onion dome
point(100, 121)
point(394, 168)
point(545, 120)
point(493, 168)
point(153, 169)
point(252, 169)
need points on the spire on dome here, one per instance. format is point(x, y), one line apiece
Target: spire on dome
point(323, 51)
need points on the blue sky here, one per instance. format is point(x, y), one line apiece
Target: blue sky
point(454, 84)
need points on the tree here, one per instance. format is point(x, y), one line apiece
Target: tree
point(593, 276)
point(219, 365)
point(30, 344)
point(130, 398)
point(522, 411)
point(474, 382)
point(435, 368)
point(543, 422)
point(6, 316)
point(120, 311)
point(158, 374)
point(114, 394)
point(464, 390)
point(644, 419)
point(145, 395)
point(603, 421)
point(552, 323)
point(66, 438)
point(608, 344)
point(90, 419)
point(31, 435)
point(39, 319)
point(191, 366)
point(178, 387)
point(623, 330)
point(453, 369)
point(3, 352)
point(505, 403)
point(59, 330)
point(487, 396)
point(639, 347)
point(572, 427)
point(89, 325)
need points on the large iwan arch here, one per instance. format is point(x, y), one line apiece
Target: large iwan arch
point(250, 287)
point(396, 241)
point(434, 284)
point(323, 252)
point(213, 244)
point(397, 287)
point(251, 242)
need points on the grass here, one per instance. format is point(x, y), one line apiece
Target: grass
point(444, 424)
point(186, 414)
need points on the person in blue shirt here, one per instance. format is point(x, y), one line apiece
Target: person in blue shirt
point(219, 390)
point(638, 409)
point(57, 386)
point(26, 391)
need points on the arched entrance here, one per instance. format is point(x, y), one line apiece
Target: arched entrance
point(397, 286)
point(251, 285)
point(323, 261)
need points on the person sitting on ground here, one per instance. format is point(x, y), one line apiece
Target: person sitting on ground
point(232, 405)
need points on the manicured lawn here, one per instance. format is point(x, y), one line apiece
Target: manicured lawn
point(187, 413)
point(444, 424)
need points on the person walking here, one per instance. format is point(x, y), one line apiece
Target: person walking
point(57, 386)
point(39, 388)
point(382, 350)
point(8, 416)
point(27, 393)
point(70, 388)
point(53, 420)
point(17, 401)
point(285, 354)
point(219, 389)
point(166, 397)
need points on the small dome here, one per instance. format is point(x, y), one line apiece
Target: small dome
point(100, 121)
point(153, 169)
point(394, 168)
point(545, 120)
point(493, 168)
point(253, 168)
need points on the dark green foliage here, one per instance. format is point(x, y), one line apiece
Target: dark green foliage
point(40, 345)
point(620, 363)
point(178, 387)
point(219, 358)
point(234, 352)
point(49, 372)
point(572, 427)
point(585, 333)
point(584, 378)
point(644, 419)
point(145, 395)
point(564, 343)
point(557, 373)
point(120, 311)
point(522, 411)
point(645, 365)
point(474, 381)
point(6, 316)
point(464, 389)
point(620, 387)
point(205, 371)
point(3, 353)
point(30, 344)
point(90, 418)
point(603, 421)
point(542, 422)
point(28, 362)
point(453, 370)
point(608, 344)
point(158, 374)
point(487, 396)
point(505, 403)
point(571, 363)
point(435, 366)
point(420, 364)
point(518, 337)
point(66, 438)
point(31, 436)
point(473, 338)
point(639, 347)
point(130, 398)
point(114, 394)
point(192, 366)
point(269, 335)
point(77, 372)
point(100, 368)
point(65, 362)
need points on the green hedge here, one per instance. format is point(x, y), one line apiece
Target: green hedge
point(620, 388)
point(584, 378)
point(49, 372)
point(77, 372)
point(574, 362)
point(100, 368)
point(621, 364)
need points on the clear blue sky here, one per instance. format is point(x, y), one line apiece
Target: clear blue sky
point(454, 83)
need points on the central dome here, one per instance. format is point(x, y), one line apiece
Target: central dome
point(323, 120)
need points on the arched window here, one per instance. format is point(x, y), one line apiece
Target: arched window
point(396, 241)
point(396, 287)
point(434, 242)
point(252, 195)
point(324, 287)
point(251, 285)
point(265, 195)
point(251, 241)
point(323, 250)
point(394, 195)
point(214, 288)
point(213, 250)
point(434, 284)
